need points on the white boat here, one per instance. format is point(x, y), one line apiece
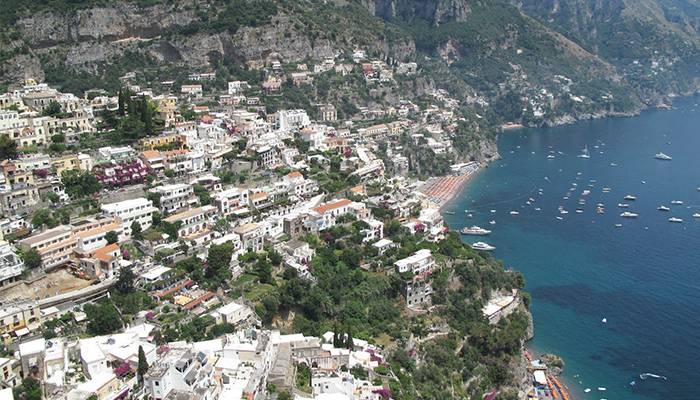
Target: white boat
point(606, 190)
point(613, 164)
point(677, 202)
point(663, 208)
point(482, 246)
point(662, 156)
point(676, 220)
point(492, 222)
point(628, 214)
point(618, 225)
point(563, 212)
point(551, 156)
point(604, 320)
point(475, 230)
point(600, 210)
point(559, 218)
point(514, 213)
point(696, 215)
point(623, 205)
point(630, 197)
point(538, 209)
point(585, 153)
point(493, 211)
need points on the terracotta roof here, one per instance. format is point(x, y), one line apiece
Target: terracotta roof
point(103, 253)
point(294, 174)
point(151, 153)
point(258, 195)
point(100, 229)
point(332, 205)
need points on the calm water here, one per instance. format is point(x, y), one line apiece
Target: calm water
point(644, 277)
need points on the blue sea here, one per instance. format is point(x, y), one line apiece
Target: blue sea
point(643, 277)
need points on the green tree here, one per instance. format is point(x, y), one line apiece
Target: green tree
point(263, 269)
point(54, 108)
point(79, 183)
point(8, 148)
point(142, 368)
point(30, 389)
point(31, 258)
point(102, 317)
point(111, 237)
point(218, 263)
point(136, 232)
point(222, 225)
point(121, 101)
point(125, 281)
point(53, 197)
point(203, 194)
point(43, 217)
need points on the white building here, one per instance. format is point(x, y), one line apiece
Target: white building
point(175, 197)
point(136, 210)
point(418, 263)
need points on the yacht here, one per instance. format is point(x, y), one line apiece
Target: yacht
point(482, 246)
point(475, 230)
point(663, 208)
point(585, 153)
point(514, 213)
point(676, 220)
point(628, 214)
point(677, 202)
point(630, 197)
point(579, 211)
point(623, 205)
point(696, 215)
point(662, 156)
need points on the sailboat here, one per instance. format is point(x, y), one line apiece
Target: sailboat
point(585, 153)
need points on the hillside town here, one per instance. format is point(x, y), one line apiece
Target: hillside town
point(152, 238)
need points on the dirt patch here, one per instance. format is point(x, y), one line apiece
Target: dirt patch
point(55, 282)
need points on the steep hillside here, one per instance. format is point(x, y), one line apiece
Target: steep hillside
point(654, 43)
point(530, 61)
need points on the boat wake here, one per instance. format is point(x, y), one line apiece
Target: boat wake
point(646, 375)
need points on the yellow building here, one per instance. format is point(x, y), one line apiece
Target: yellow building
point(15, 318)
point(152, 143)
point(66, 163)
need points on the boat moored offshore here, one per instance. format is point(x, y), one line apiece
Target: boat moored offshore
point(475, 230)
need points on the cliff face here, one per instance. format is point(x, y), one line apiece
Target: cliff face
point(87, 39)
point(434, 12)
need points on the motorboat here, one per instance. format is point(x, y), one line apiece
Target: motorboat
point(628, 214)
point(475, 230)
point(662, 156)
point(663, 208)
point(676, 220)
point(585, 153)
point(514, 213)
point(483, 246)
point(623, 205)
point(492, 222)
point(696, 215)
point(630, 197)
point(677, 202)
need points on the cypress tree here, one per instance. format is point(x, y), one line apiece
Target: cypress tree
point(143, 365)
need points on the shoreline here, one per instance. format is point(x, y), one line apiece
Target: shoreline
point(441, 190)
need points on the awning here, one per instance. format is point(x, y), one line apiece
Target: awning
point(22, 332)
